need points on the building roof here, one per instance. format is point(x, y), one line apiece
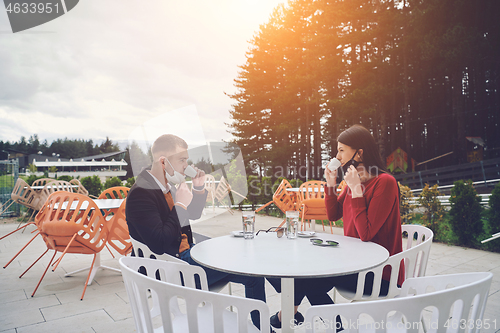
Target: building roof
point(102, 156)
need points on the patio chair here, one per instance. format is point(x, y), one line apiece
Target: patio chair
point(222, 192)
point(416, 310)
point(282, 199)
point(119, 237)
point(80, 189)
point(70, 229)
point(210, 187)
point(414, 257)
point(141, 250)
point(311, 203)
point(42, 182)
point(205, 311)
point(116, 192)
point(24, 195)
point(54, 186)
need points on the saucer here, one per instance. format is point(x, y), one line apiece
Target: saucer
point(306, 234)
point(237, 233)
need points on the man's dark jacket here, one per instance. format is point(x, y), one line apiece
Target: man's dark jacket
point(150, 220)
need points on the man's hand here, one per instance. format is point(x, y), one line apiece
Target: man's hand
point(183, 195)
point(199, 179)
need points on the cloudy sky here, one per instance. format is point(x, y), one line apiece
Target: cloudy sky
point(118, 68)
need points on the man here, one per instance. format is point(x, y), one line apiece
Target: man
point(158, 214)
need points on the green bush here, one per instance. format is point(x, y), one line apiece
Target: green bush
point(112, 182)
point(65, 178)
point(405, 207)
point(493, 219)
point(433, 210)
point(92, 184)
point(130, 182)
point(32, 178)
point(465, 213)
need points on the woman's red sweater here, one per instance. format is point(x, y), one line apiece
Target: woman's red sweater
point(374, 217)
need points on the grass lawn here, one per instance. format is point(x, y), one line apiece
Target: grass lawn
point(6, 181)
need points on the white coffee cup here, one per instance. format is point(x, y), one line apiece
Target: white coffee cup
point(190, 171)
point(334, 164)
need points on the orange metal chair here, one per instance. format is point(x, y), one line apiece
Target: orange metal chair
point(42, 182)
point(71, 223)
point(22, 194)
point(119, 237)
point(117, 192)
point(283, 199)
point(80, 189)
point(311, 202)
point(37, 200)
point(210, 187)
point(222, 191)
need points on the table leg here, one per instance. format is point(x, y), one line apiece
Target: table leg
point(287, 305)
point(97, 266)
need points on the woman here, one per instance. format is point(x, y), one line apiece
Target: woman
point(369, 206)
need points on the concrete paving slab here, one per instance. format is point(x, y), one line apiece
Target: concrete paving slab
point(105, 308)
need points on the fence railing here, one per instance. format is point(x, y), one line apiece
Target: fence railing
point(445, 200)
point(482, 173)
point(9, 172)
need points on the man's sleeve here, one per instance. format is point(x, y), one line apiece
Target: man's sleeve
point(144, 218)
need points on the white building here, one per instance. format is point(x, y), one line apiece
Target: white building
point(83, 167)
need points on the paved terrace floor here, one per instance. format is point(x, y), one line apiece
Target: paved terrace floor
point(56, 306)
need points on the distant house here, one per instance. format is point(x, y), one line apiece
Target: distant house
point(104, 165)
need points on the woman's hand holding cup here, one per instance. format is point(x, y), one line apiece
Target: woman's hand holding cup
point(331, 172)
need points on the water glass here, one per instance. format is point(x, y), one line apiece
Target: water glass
point(292, 224)
point(248, 220)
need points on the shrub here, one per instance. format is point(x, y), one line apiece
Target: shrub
point(32, 178)
point(405, 206)
point(92, 184)
point(465, 213)
point(433, 210)
point(112, 182)
point(130, 182)
point(65, 178)
point(493, 218)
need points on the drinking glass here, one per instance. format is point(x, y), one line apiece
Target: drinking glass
point(248, 219)
point(292, 224)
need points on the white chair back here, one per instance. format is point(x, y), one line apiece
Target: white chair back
point(415, 235)
point(204, 311)
point(415, 262)
point(441, 310)
point(143, 251)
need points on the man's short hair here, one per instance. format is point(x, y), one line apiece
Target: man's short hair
point(167, 143)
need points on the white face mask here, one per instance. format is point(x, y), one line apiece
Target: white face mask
point(178, 177)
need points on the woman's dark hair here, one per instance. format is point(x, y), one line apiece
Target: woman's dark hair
point(358, 137)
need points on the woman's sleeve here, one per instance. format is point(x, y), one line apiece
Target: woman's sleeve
point(369, 219)
point(333, 207)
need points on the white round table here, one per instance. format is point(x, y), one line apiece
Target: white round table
point(269, 256)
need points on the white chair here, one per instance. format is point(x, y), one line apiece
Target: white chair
point(414, 256)
point(142, 250)
point(204, 311)
point(442, 309)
